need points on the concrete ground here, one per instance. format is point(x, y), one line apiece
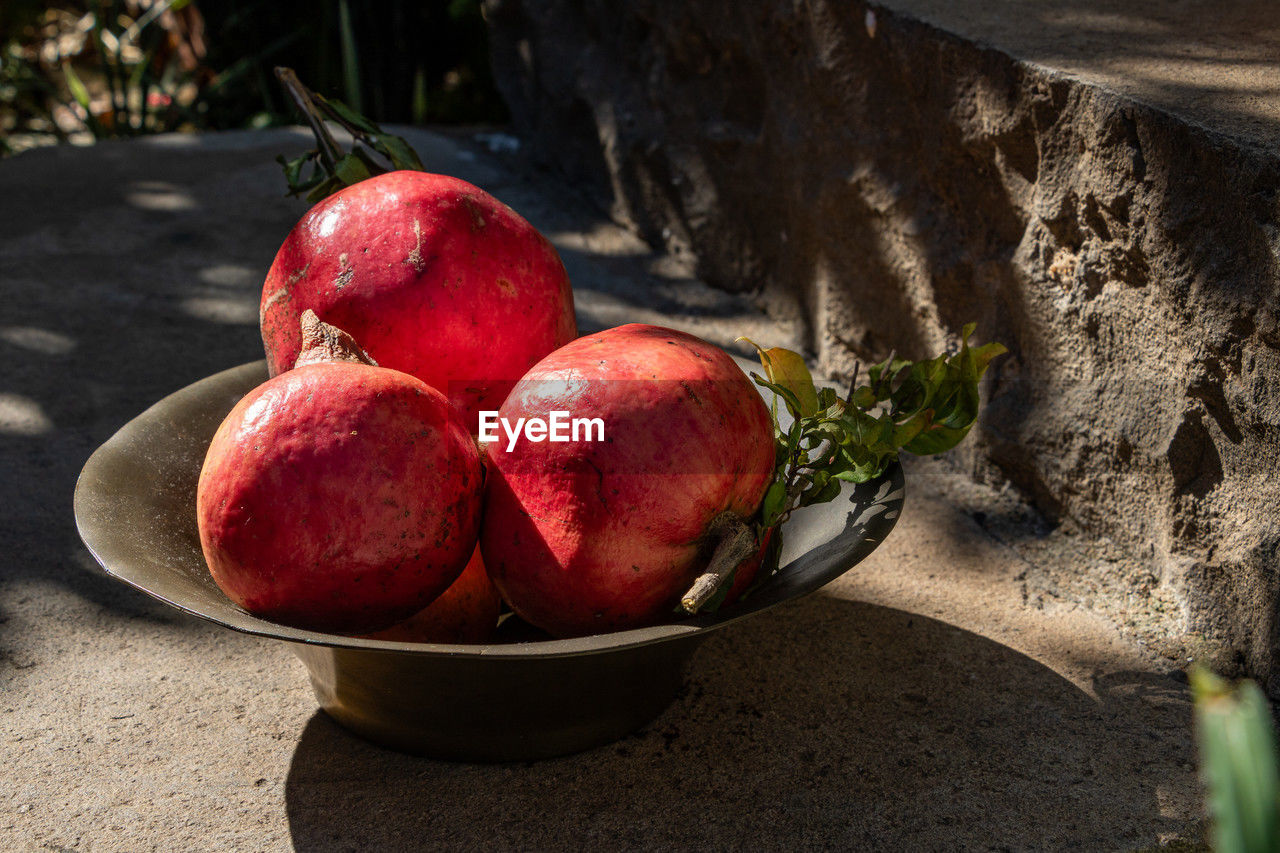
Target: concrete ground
point(930, 699)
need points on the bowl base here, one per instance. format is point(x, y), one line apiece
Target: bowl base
point(495, 709)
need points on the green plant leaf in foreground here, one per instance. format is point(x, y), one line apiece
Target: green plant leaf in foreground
point(1238, 763)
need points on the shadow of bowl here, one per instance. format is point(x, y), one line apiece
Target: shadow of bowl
point(826, 724)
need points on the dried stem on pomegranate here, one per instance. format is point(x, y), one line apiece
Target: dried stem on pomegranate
point(322, 342)
point(736, 542)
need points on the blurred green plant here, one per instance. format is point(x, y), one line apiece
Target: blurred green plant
point(85, 69)
point(394, 61)
point(105, 68)
point(1238, 763)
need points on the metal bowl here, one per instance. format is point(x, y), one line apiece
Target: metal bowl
point(516, 700)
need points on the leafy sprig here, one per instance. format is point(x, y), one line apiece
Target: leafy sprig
point(923, 407)
point(373, 151)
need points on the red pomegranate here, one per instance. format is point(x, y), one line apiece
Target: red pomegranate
point(587, 536)
point(339, 496)
point(432, 275)
point(466, 612)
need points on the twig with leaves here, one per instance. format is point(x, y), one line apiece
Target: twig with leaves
point(922, 407)
point(373, 150)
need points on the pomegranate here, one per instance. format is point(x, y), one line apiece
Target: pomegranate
point(586, 536)
point(434, 277)
point(339, 496)
point(466, 612)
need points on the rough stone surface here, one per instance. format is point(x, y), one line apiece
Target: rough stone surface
point(927, 700)
point(882, 181)
point(1213, 67)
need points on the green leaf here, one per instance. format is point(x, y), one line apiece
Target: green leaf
point(985, 353)
point(324, 189)
point(828, 429)
point(861, 427)
point(982, 355)
point(829, 492)
point(794, 434)
point(788, 397)
point(829, 399)
point(961, 408)
point(787, 368)
point(346, 168)
point(774, 503)
point(351, 169)
point(936, 439)
point(904, 433)
point(345, 115)
point(918, 388)
point(863, 398)
point(370, 164)
point(883, 375)
point(293, 168)
point(399, 152)
point(76, 85)
point(864, 464)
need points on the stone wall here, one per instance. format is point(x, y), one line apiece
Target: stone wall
point(886, 182)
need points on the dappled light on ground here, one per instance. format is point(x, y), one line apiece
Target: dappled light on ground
point(22, 416)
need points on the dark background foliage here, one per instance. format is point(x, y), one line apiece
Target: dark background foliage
point(79, 69)
point(395, 61)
